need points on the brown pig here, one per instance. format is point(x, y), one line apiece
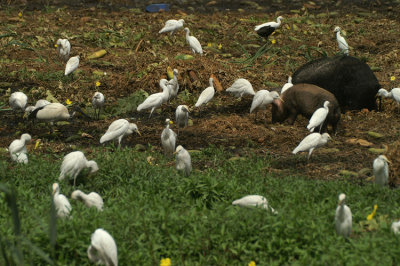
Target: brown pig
point(304, 99)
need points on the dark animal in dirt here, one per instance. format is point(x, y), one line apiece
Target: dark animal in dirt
point(304, 99)
point(348, 78)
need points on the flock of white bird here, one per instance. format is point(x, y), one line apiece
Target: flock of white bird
point(103, 249)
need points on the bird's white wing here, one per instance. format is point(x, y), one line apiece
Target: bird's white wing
point(170, 25)
point(267, 24)
point(250, 200)
point(72, 64)
point(317, 118)
point(258, 99)
point(342, 43)
point(151, 101)
point(205, 96)
point(240, 87)
point(17, 146)
point(115, 130)
point(311, 141)
point(195, 44)
point(105, 245)
point(286, 87)
point(51, 111)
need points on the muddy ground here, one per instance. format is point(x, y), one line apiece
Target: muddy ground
point(138, 57)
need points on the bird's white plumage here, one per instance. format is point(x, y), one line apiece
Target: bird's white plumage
point(394, 94)
point(63, 48)
point(103, 249)
point(61, 203)
point(18, 101)
point(155, 100)
point(92, 199)
point(173, 85)
point(206, 95)
point(311, 142)
point(287, 85)
point(396, 228)
point(253, 201)
point(262, 98)
point(172, 25)
point(241, 87)
point(193, 43)
point(71, 65)
point(53, 112)
point(168, 139)
point(342, 44)
point(73, 163)
point(17, 149)
point(98, 100)
point(183, 160)
point(381, 170)
point(272, 24)
point(41, 103)
point(318, 117)
point(118, 129)
point(182, 115)
point(343, 218)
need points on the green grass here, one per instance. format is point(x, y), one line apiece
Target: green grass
point(154, 212)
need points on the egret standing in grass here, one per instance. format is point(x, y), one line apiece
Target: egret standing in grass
point(97, 103)
point(343, 218)
point(193, 43)
point(118, 129)
point(18, 150)
point(318, 117)
point(262, 98)
point(254, 201)
point(241, 87)
point(287, 85)
point(183, 160)
point(18, 101)
point(168, 138)
point(311, 142)
point(61, 203)
point(394, 94)
point(266, 29)
point(63, 48)
point(102, 249)
point(182, 116)
point(342, 44)
point(91, 200)
point(173, 86)
point(172, 25)
point(396, 228)
point(155, 100)
point(71, 65)
point(207, 94)
point(381, 170)
point(74, 163)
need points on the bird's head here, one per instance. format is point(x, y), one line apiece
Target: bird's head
point(280, 18)
point(186, 30)
point(76, 194)
point(181, 21)
point(93, 166)
point(185, 108)
point(134, 128)
point(337, 29)
point(175, 72)
point(26, 137)
point(178, 149)
point(342, 197)
point(327, 104)
point(97, 95)
point(326, 136)
point(275, 96)
point(56, 188)
point(384, 158)
point(382, 92)
point(168, 122)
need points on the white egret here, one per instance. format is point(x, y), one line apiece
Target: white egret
point(173, 85)
point(118, 129)
point(97, 103)
point(172, 25)
point(90, 200)
point(61, 203)
point(394, 94)
point(207, 94)
point(73, 163)
point(18, 101)
point(311, 142)
point(71, 65)
point(193, 43)
point(396, 228)
point(168, 138)
point(343, 218)
point(52, 112)
point(262, 98)
point(102, 249)
point(155, 100)
point(318, 117)
point(342, 44)
point(18, 150)
point(183, 160)
point(287, 85)
point(182, 116)
point(241, 87)
point(381, 170)
point(254, 201)
point(266, 29)
point(63, 48)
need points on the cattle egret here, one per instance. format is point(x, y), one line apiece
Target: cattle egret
point(168, 138)
point(102, 249)
point(61, 203)
point(97, 103)
point(266, 29)
point(74, 163)
point(241, 87)
point(254, 201)
point(155, 100)
point(343, 218)
point(182, 116)
point(118, 129)
point(262, 98)
point(394, 94)
point(318, 117)
point(72, 65)
point(287, 85)
point(343, 46)
point(183, 160)
point(207, 94)
point(173, 85)
point(52, 112)
point(18, 150)
point(311, 142)
point(18, 101)
point(381, 170)
point(172, 25)
point(63, 48)
point(193, 43)
point(396, 228)
point(91, 200)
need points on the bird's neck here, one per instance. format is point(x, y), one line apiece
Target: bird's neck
point(338, 34)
